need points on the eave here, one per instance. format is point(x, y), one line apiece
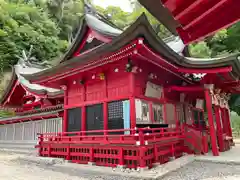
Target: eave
point(32, 117)
point(89, 26)
point(10, 88)
point(193, 20)
point(140, 29)
point(14, 83)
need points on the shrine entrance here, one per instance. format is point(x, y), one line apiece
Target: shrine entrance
point(74, 120)
point(94, 116)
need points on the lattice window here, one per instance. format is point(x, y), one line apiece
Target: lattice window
point(115, 109)
point(115, 115)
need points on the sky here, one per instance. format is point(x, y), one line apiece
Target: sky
point(123, 4)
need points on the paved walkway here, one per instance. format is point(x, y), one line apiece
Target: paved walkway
point(224, 167)
point(232, 156)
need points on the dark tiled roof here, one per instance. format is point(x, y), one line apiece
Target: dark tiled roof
point(141, 28)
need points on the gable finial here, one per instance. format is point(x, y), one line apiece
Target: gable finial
point(89, 9)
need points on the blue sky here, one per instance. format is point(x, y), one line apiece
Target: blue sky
point(123, 4)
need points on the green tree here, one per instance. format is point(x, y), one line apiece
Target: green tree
point(123, 19)
point(200, 50)
point(115, 15)
point(235, 123)
point(24, 25)
point(67, 15)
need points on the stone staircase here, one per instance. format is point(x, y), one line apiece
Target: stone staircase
point(21, 147)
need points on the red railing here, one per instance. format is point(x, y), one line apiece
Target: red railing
point(132, 148)
point(197, 138)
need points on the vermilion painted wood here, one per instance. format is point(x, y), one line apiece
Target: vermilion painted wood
point(219, 128)
point(132, 113)
point(228, 123)
point(123, 53)
point(11, 92)
point(201, 12)
point(65, 113)
point(192, 14)
point(105, 117)
point(84, 119)
point(186, 88)
point(82, 43)
point(185, 7)
point(115, 149)
point(211, 123)
point(209, 24)
point(87, 103)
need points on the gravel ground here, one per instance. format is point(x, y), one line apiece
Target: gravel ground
point(13, 169)
point(205, 171)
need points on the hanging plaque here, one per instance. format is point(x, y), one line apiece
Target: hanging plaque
point(153, 90)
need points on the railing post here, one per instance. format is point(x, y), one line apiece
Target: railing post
point(142, 162)
point(172, 152)
point(91, 156)
point(40, 143)
point(68, 152)
point(121, 158)
point(49, 150)
point(155, 153)
point(141, 137)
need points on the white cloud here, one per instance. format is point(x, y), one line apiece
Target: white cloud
point(123, 4)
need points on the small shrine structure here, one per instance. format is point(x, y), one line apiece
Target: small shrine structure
point(35, 108)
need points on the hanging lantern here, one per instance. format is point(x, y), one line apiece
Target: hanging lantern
point(81, 82)
point(129, 66)
point(102, 76)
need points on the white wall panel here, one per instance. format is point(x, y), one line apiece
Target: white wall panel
point(28, 130)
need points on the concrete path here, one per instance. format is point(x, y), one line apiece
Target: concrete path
point(228, 157)
point(21, 166)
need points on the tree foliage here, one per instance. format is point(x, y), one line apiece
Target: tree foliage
point(124, 19)
point(23, 25)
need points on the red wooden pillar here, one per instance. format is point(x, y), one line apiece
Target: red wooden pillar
point(219, 128)
point(211, 123)
point(105, 109)
point(228, 122)
point(105, 117)
point(223, 116)
point(83, 119)
point(132, 84)
point(132, 113)
point(65, 116)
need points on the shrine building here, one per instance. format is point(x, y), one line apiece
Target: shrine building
point(129, 98)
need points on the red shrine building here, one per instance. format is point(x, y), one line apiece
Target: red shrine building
point(36, 109)
point(130, 98)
